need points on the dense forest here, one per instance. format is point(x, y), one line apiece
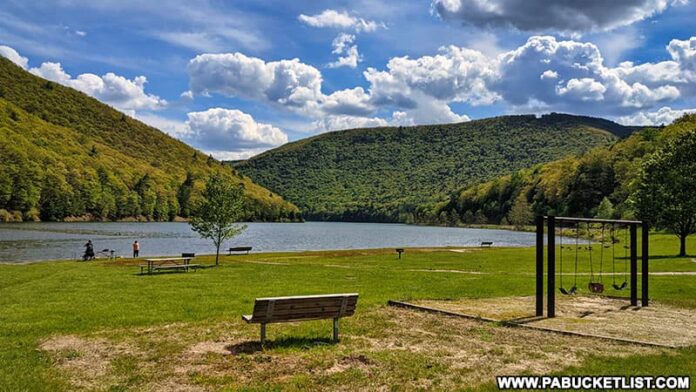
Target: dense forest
point(400, 174)
point(66, 156)
point(599, 183)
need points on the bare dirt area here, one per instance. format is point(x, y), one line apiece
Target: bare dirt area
point(595, 315)
point(379, 348)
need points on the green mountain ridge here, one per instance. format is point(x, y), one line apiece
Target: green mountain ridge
point(573, 186)
point(65, 155)
point(403, 174)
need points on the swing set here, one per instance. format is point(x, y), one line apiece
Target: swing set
point(593, 227)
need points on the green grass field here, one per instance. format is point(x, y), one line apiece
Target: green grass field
point(135, 332)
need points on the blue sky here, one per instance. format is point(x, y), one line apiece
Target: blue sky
point(235, 78)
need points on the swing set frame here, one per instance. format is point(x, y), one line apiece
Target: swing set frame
point(549, 223)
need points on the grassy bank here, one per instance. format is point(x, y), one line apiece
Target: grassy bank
point(68, 325)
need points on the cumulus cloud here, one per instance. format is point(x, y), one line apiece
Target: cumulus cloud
point(336, 123)
point(287, 83)
point(581, 79)
point(224, 133)
point(684, 52)
point(542, 74)
point(541, 15)
point(342, 45)
point(663, 116)
point(12, 55)
point(122, 93)
point(339, 20)
point(231, 130)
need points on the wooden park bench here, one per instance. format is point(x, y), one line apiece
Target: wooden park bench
point(302, 308)
point(239, 249)
point(168, 264)
point(486, 244)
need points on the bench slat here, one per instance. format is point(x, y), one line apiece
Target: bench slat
point(299, 317)
point(285, 304)
point(285, 312)
point(309, 297)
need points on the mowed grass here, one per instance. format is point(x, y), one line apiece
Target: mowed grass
point(110, 300)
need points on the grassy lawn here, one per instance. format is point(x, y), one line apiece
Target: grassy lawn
point(99, 325)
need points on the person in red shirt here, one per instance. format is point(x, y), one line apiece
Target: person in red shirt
point(136, 249)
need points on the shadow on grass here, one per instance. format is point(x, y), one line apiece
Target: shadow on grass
point(250, 347)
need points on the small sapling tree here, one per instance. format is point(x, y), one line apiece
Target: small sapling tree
point(216, 216)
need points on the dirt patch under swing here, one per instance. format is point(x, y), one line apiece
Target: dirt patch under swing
point(596, 315)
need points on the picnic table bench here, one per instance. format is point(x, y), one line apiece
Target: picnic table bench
point(168, 264)
point(302, 308)
point(239, 249)
point(486, 244)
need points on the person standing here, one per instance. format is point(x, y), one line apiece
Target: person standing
point(89, 251)
point(136, 249)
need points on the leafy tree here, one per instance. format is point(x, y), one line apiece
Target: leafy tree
point(216, 217)
point(665, 197)
point(605, 209)
point(521, 213)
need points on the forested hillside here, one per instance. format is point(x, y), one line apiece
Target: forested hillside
point(598, 183)
point(64, 155)
point(401, 173)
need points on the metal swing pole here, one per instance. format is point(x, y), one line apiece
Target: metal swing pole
point(634, 264)
point(539, 265)
point(551, 283)
point(644, 255)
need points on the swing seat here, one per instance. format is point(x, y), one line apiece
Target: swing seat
point(621, 287)
point(572, 290)
point(596, 287)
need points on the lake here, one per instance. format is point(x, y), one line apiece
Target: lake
point(22, 242)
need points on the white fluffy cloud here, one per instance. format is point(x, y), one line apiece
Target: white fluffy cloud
point(580, 79)
point(224, 133)
point(342, 45)
point(288, 83)
point(542, 74)
point(122, 93)
point(542, 15)
point(12, 55)
point(221, 129)
point(663, 116)
point(339, 20)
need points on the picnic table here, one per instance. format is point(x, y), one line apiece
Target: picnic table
point(167, 263)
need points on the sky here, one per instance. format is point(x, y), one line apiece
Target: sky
point(236, 78)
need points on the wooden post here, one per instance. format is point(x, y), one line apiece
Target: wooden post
point(644, 255)
point(335, 329)
point(551, 278)
point(263, 333)
point(634, 264)
point(539, 266)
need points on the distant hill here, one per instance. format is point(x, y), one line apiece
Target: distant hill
point(400, 174)
point(573, 186)
point(64, 155)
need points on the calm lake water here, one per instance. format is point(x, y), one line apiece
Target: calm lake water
point(22, 242)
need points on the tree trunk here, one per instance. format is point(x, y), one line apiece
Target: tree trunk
point(217, 255)
point(682, 245)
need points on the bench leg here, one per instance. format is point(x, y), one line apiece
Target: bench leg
point(263, 334)
point(335, 330)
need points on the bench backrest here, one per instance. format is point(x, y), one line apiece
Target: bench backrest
point(240, 248)
point(310, 307)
